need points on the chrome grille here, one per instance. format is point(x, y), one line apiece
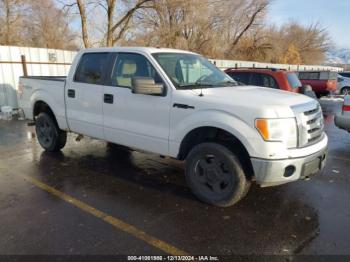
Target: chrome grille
point(310, 123)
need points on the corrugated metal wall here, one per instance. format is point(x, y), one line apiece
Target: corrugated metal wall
point(52, 62)
point(48, 62)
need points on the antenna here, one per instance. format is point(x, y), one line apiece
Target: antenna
point(200, 73)
point(201, 94)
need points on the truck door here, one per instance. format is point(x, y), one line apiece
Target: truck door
point(143, 120)
point(84, 95)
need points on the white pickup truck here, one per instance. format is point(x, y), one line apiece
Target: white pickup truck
point(176, 103)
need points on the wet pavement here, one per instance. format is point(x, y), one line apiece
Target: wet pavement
point(149, 193)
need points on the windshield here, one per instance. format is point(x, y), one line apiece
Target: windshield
point(293, 80)
point(192, 71)
point(344, 74)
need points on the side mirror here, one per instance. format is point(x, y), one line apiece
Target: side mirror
point(146, 86)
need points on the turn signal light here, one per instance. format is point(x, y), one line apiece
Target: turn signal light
point(263, 127)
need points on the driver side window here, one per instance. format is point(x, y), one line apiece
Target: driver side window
point(130, 65)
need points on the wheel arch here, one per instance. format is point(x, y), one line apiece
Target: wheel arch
point(203, 134)
point(41, 106)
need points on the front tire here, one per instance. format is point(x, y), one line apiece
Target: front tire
point(50, 137)
point(215, 175)
point(345, 91)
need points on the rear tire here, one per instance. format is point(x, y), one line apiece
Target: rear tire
point(50, 137)
point(215, 175)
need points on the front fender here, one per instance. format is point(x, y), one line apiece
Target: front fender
point(239, 128)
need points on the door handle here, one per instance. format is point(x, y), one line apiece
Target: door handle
point(108, 98)
point(71, 93)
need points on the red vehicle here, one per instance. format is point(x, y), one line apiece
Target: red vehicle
point(322, 82)
point(273, 78)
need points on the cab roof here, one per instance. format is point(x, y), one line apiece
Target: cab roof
point(148, 50)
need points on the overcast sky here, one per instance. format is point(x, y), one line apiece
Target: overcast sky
point(332, 14)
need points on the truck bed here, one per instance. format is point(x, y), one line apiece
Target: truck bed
point(49, 78)
point(49, 89)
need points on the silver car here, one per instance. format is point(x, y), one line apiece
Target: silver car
point(343, 85)
point(343, 120)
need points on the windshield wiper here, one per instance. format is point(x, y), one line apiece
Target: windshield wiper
point(229, 83)
point(194, 85)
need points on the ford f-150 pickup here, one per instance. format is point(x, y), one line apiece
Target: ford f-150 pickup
point(176, 103)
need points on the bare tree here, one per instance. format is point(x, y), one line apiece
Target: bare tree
point(215, 28)
point(11, 21)
point(36, 23)
point(237, 19)
point(83, 20)
point(211, 27)
point(255, 46)
point(176, 24)
point(310, 43)
point(250, 21)
point(116, 24)
point(48, 26)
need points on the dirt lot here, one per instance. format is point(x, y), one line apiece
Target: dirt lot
point(96, 198)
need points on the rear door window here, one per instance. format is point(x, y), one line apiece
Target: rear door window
point(324, 75)
point(309, 75)
point(91, 68)
point(264, 80)
point(333, 75)
point(314, 76)
point(303, 75)
point(241, 77)
point(328, 75)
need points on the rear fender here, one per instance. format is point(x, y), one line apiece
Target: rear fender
point(57, 108)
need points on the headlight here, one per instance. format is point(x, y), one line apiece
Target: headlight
point(278, 130)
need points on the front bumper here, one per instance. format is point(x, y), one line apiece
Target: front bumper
point(277, 172)
point(342, 122)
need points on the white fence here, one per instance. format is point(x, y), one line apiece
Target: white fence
point(224, 64)
point(38, 61)
point(52, 62)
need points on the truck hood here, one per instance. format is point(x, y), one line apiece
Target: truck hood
point(268, 102)
point(256, 94)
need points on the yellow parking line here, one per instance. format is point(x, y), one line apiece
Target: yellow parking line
point(117, 223)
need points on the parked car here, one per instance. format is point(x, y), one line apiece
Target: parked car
point(345, 74)
point(343, 85)
point(343, 120)
point(322, 82)
point(178, 104)
point(272, 78)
